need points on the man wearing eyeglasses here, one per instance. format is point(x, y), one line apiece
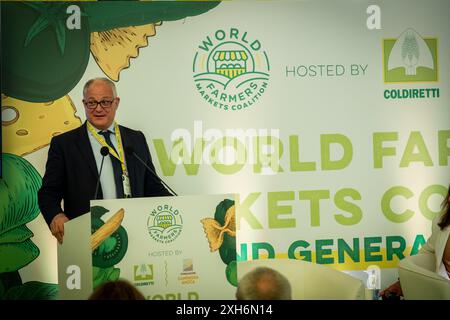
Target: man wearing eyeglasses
point(75, 157)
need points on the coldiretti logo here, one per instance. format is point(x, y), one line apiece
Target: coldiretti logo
point(410, 58)
point(143, 272)
point(231, 70)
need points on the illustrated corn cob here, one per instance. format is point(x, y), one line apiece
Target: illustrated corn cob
point(107, 229)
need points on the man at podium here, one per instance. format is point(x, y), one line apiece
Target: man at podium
point(99, 160)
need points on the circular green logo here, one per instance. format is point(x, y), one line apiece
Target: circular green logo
point(164, 224)
point(231, 70)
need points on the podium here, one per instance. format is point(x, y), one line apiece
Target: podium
point(169, 247)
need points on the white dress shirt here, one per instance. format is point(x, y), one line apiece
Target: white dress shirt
point(107, 175)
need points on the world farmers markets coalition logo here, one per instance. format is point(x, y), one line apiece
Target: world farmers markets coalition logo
point(231, 69)
point(164, 224)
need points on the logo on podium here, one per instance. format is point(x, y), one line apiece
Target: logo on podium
point(164, 224)
point(188, 276)
point(143, 274)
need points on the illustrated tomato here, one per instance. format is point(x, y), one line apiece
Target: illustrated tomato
point(42, 59)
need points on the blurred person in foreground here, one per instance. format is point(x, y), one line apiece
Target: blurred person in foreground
point(116, 290)
point(264, 284)
point(438, 244)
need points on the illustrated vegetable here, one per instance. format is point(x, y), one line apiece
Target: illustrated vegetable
point(112, 250)
point(18, 206)
point(107, 229)
point(109, 242)
point(102, 275)
point(231, 273)
point(106, 15)
point(42, 60)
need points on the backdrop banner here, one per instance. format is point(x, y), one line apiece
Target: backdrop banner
point(328, 119)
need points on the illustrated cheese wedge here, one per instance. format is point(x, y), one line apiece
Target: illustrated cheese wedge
point(113, 49)
point(29, 126)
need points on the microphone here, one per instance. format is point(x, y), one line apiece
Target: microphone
point(104, 151)
point(130, 150)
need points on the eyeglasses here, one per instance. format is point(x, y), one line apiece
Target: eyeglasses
point(92, 104)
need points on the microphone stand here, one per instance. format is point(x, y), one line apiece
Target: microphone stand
point(154, 175)
point(104, 152)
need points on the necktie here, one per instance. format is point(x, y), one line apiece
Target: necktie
point(117, 168)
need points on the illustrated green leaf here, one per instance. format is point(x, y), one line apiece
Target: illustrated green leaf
point(15, 256)
point(221, 210)
point(61, 35)
point(231, 273)
point(102, 275)
point(227, 255)
point(114, 275)
point(18, 193)
point(7, 281)
point(19, 234)
point(98, 211)
point(33, 290)
point(40, 24)
point(38, 6)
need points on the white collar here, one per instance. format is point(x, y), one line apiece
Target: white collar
point(111, 128)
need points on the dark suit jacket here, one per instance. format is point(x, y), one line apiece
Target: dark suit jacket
point(71, 173)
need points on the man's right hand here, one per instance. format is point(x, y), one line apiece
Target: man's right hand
point(394, 289)
point(57, 226)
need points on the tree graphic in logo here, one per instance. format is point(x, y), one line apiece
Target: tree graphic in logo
point(231, 72)
point(410, 58)
point(143, 272)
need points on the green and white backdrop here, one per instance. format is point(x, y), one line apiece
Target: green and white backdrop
point(330, 119)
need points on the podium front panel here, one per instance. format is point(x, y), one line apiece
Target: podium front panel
point(180, 248)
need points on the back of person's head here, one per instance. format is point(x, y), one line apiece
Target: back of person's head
point(116, 290)
point(263, 284)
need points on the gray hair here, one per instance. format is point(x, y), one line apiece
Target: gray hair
point(264, 284)
point(105, 80)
